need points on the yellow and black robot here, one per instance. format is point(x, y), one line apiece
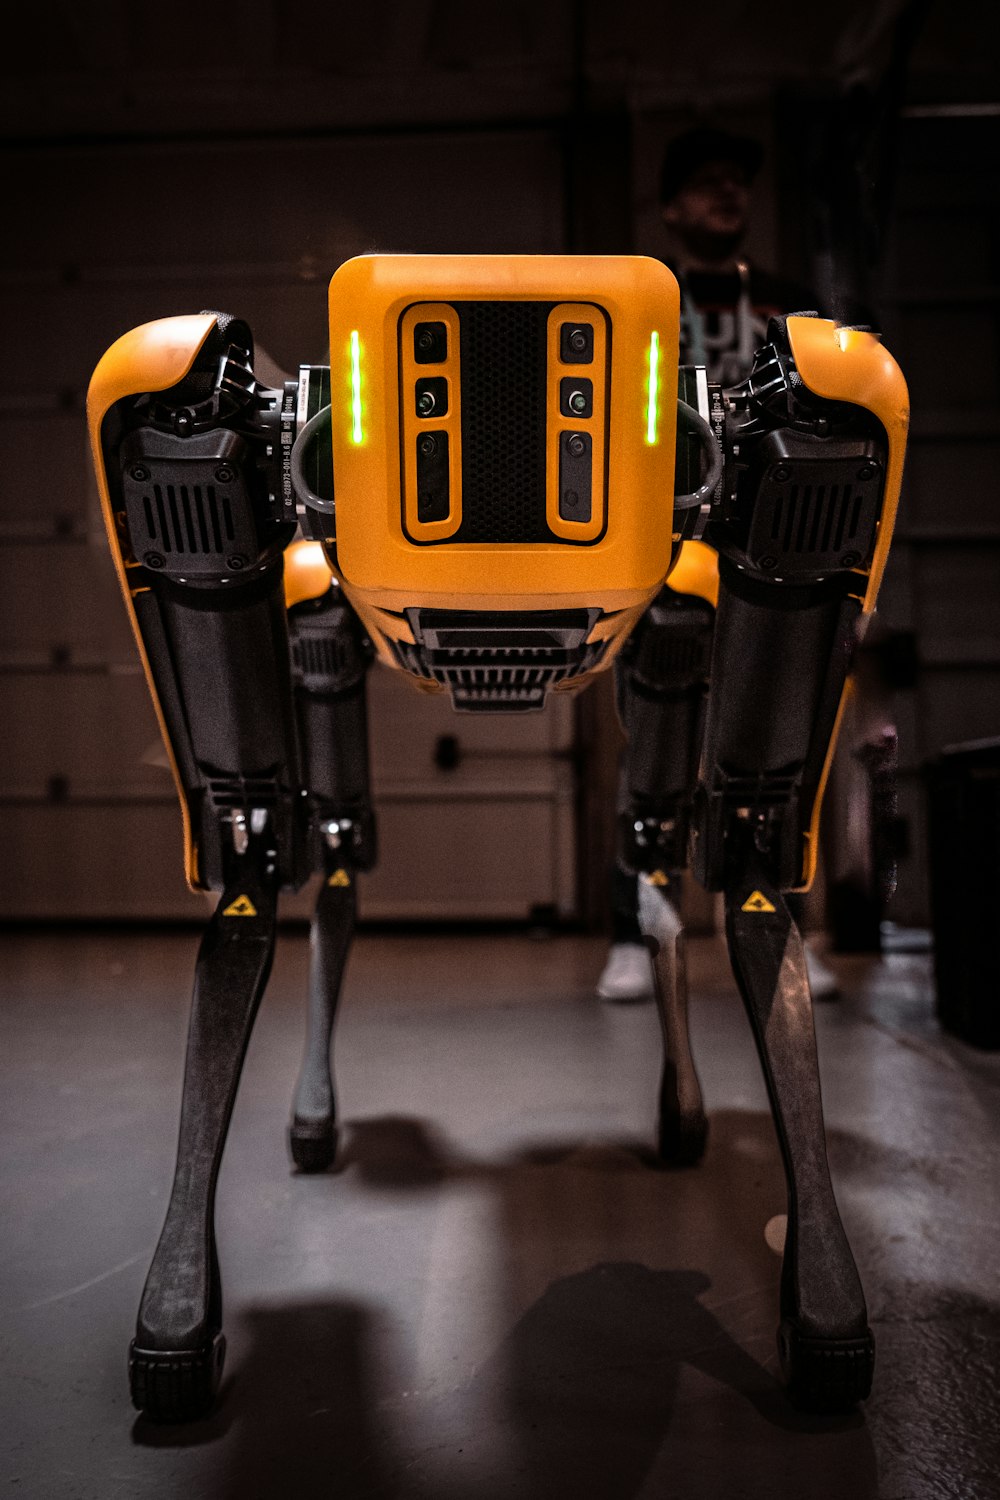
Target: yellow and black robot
point(488, 488)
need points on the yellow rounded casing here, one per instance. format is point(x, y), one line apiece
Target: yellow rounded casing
point(152, 357)
point(696, 572)
point(307, 573)
point(846, 364)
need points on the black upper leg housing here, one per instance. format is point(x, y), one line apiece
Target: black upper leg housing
point(661, 682)
point(801, 492)
point(203, 517)
point(795, 522)
point(204, 500)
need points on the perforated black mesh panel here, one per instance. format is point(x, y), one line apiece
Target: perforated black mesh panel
point(503, 360)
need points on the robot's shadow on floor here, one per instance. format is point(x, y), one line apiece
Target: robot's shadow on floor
point(605, 1376)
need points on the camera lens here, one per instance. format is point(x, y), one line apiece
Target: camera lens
point(430, 343)
point(431, 396)
point(428, 445)
point(576, 445)
point(576, 343)
point(576, 396)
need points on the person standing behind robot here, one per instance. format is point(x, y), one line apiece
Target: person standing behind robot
point(706, 182)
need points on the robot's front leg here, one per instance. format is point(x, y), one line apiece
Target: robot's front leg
point(331, 657)
point(825, 1345)
point(814, 454)
point(187, 450)
point(175, 1361)
point(662, 680)
point(779, 670)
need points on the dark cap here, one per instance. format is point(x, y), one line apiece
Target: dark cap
point(686, 154)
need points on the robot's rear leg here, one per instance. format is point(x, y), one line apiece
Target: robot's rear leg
point(330, 658)
point(662, 683)
point(175, 1361)
point(312, 1134)
point(682, 1128)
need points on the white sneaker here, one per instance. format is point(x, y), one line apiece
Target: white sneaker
point(823, 982)
point(628, 973)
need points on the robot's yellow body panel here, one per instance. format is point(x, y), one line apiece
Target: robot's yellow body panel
point(508, 526)
point(153, 357)
point(307, 573)
point(696, 572)
point(848, 364)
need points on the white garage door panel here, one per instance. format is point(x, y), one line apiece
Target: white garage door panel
point(96, 732)
point(406, 724)
point(107, 862)
point(62, 596)
point(471, 859)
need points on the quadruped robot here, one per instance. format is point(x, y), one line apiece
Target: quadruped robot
point(501, 485)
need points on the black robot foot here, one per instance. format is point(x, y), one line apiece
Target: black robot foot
point(681, 1139)
point(313, 1144)
point(825, 1374)
point(176, 1385)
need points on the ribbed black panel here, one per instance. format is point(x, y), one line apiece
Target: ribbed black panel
point(499, 661)
point(665, 656)
point(187, 519)
point(245, 791)
point(503, 360)
point(815, 516)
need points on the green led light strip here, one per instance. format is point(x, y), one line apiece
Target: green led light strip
point(653, 389)
point(357, 434)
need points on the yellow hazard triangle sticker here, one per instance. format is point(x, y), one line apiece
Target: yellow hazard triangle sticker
point(757, 902)
point(241, 907)
point(339, 877)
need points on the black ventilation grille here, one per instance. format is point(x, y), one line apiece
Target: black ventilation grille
point(663, 661)
point(816, 518)
point(816, 526)
point(326, 650)
point(319, 659)
point(243, 791)
point(492, 684)
point(503, 375)
point(188, 508)
point(770, 789)
point(499, 663)
point(671, 648)
point(182, 519)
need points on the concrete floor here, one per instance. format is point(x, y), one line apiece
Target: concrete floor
point(495, 1295)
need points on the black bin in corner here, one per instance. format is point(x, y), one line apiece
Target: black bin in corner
point(963, 802)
